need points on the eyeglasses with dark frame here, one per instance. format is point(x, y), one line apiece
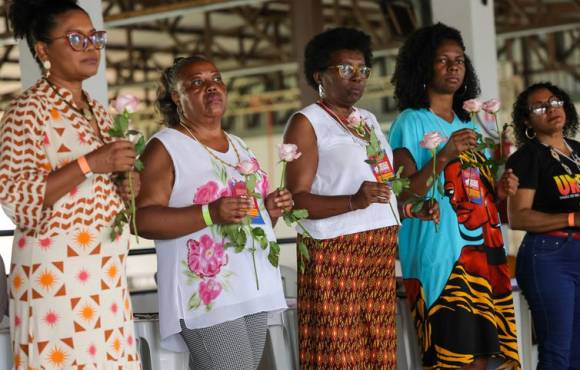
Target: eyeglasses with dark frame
point(347, 71)
point(78, 41)
point(540, 109)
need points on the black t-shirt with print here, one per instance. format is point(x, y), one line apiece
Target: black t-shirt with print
point(556, 190)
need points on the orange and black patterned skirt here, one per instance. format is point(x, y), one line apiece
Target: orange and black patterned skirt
point(347, 302)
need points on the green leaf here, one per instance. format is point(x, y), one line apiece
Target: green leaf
point(300, 213)
point(140, 146)
point(240, 248)
point(251, 183)
point(194, 302)
point(274, 255)
point(370, 161)
point(139, 166)
point(303, 251)
point(288, 219)
point(399, 172)
point(258, 232)
point(429, 181)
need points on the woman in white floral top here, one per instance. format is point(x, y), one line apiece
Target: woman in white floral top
point(205, 201)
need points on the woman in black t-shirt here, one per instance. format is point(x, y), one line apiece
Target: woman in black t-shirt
point(547, 206)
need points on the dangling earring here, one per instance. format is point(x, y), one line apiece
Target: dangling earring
point(321, 91)
point(46, 66)
point(425, 86)
point(464, 90)
point(180, 113)
point(530, 136)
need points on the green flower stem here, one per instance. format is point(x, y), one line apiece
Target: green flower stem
point(283, 175)
point(500, 135)
point(394, 214)
point(434, 184)
point(133, 208)
point(254, 262)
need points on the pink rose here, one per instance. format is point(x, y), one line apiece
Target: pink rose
point(209, 290)
point(264, 186)
point(431, 140)
point(248, 167)
point(472, 105)
point(288, 152)
point(491, 106)
point(207, 193)
point(354, 119)
point(127, 103)
point(206, 257)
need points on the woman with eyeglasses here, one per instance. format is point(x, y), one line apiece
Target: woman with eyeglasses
point(456, 276)
point(69, 302)
point(346, 293)
point(547, 206)
point(215, 288)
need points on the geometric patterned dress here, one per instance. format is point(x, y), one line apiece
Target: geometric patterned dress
point(69, 303)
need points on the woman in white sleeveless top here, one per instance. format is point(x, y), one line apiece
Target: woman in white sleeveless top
point(213, 299)
point(346, 294)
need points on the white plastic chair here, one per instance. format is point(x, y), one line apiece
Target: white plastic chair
point(153, 356)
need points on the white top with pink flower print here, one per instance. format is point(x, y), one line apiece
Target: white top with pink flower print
point(341, 170)
point(199, 281)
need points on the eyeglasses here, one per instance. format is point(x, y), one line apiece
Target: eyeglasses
point(541, 108)
point(348, 71)
point(80, 42)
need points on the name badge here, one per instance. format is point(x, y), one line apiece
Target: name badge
point(382, 168)
point(240, 189)
point(470, 177)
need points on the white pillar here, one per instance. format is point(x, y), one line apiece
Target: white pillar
point(475, 20)
point(96, 86)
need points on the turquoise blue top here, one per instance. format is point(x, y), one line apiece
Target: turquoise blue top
point(425, 254)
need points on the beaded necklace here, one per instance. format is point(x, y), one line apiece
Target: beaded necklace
point(230, 142)
point(573, 157)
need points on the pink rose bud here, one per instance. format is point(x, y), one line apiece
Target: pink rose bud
point(354, 119)
point(248, 167)
point(472, 105)
point(431, 140)
point(491, 106)
point(288, 152)
point(127, 103)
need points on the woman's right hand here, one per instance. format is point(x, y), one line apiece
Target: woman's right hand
point(229, 210)
point(460, 141)
point(118, 156)
point(371, 192)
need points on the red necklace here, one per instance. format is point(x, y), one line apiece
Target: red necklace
point(344, 123)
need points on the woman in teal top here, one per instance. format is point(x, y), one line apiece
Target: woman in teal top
point(456, 277)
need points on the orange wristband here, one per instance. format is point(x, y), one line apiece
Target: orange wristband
point(571, 219)
point(84, 166)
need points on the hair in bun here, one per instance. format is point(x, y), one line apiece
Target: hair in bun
point(34, 19)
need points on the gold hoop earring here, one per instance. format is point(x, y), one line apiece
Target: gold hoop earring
point(530, 136)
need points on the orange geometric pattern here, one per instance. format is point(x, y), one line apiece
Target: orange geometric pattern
point(67, 283)
point(347, 302)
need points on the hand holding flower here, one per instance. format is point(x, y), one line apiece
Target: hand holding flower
point(429, 211)
point(371, 192)
point(460, 141)
point(229, 210)
point(118, 156)
point(507, 184)
point(278, 202)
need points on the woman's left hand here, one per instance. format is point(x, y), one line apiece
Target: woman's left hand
point(507, 185)
point(429, 211)
point(123, 185)
point(278, 202)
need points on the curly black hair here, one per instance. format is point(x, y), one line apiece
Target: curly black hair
point(34, 19)
point(414, 70)
point(521, 111)
point(319, 50)
point(165, 104)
